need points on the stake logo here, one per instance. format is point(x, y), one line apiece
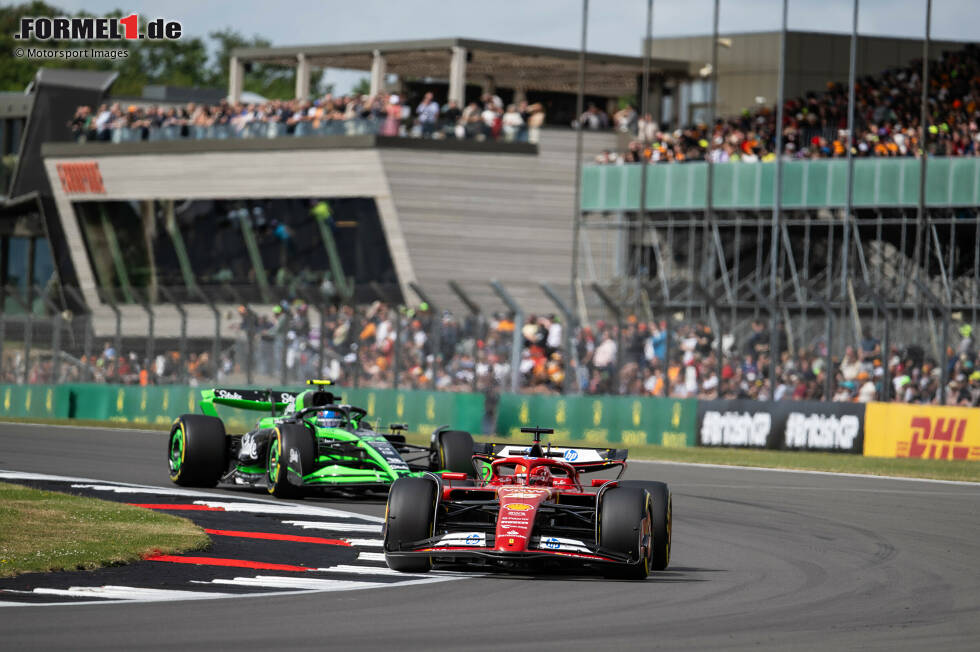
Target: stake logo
point(935, 439)
point(64, 28)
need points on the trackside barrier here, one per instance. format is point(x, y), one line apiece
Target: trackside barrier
point(38, 401)
point(602, 420)
point(922, 431)
point(792, 425)
point(423, 411)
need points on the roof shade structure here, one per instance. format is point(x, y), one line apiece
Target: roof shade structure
point(508, 65)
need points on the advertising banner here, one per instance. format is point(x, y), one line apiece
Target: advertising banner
point(160, 405)
point(792, 425)
point(922, 431)
point(615, 421)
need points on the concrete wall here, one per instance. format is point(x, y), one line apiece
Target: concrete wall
point(448, 214)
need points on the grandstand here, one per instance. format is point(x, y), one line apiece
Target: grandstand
point(210, 228)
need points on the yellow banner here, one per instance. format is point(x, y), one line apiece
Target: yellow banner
point(922, 431)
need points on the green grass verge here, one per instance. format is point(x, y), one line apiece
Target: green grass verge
point(806, 461)
point(47, 531)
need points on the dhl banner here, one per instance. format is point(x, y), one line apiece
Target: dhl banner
point(922, 431)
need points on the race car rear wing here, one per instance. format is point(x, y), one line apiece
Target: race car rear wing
point(246, 399)
point(582, 458)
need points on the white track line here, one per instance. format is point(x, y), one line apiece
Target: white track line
point(285, 508)
point(340, 527)
point(367, 570)
point(130, 593)
point(365, 543)
point(807, 472)
point(370, 556)
point(277, 582)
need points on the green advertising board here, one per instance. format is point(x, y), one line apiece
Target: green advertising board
point(602, 420)
point(159, 405)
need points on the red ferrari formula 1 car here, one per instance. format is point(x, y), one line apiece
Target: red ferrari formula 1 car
point(530, 509)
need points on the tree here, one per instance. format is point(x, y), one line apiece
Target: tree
point(362, 87)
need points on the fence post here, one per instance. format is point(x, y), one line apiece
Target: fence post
point(87, 337)
point(28, 333)
point(182, 369)
point(435, 334)
point(517, 344)
point(829, 313)
point(250, 323)
point(216, 344)
point(931, 298)
point(566, 333)
point(477, 314)
point(883, 309)
point(56, 325)
point(618, 314)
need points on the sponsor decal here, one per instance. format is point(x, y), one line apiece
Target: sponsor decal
point(81, 178)
point(518, 507)
point(551, 543)
point(523, 493)
point(250, 447)
point(922, 431)
point(735, 429)
point(293, 456)
point(820, 431)
point(286, 397)
point(571, 455)
point(224, 393)
point(473, 540)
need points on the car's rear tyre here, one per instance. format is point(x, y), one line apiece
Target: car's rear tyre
point(409, 516)
point(287, 439)
point(197, 450)
point(454, 450)
point(661, 507)
point(625, 527)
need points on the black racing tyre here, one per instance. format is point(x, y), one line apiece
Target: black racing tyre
point(661, 508)
point(409, 516)
point(625, 527)
point(455, 452)
point(197, 450)
point(291, 447)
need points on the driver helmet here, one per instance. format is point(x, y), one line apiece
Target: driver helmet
point(540, 477)
point(329, 419)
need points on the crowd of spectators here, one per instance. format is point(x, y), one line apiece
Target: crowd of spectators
point(427, 349)
point(654, 358)
point(387, 114)
point(886, 120)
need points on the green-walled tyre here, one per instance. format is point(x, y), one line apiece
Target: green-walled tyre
point(197, 450)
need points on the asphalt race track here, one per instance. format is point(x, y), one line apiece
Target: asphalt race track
point(772, 559)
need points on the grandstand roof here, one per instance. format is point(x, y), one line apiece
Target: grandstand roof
point(509, 64)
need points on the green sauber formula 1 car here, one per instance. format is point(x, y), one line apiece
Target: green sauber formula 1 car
point(307, 440)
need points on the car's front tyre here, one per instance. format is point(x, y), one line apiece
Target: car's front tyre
point(197, 450)
point(409, 517)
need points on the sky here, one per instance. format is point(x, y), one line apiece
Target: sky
point(614, 26)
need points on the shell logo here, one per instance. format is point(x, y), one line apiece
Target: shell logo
point(372, 400)
point(120, 400)
point(6, 400)
point(560, 412)
point(400, 406)
point(27, 403)
point(596, 412)
point(525, 413)
point(637, 413)
point(430, 408)
point(675, 417)
point(519, 507)
point(49, 400)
